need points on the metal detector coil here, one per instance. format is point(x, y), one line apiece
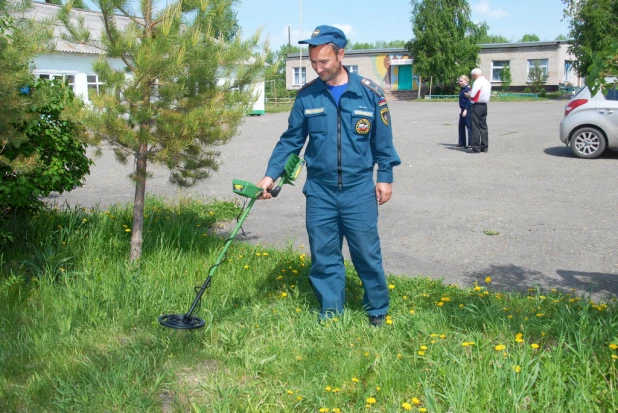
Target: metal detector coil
point(188, 321)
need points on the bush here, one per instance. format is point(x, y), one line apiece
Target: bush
point(59, 162)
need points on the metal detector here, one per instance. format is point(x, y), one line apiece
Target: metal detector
point(189, 321)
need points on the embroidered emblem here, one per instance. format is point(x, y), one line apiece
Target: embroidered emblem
point(384, 116)
point(314, 111)
point(315, 33)
point(382, 101)
point(363, 126)
point(363, 113)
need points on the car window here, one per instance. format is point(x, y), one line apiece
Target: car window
point(612, 94)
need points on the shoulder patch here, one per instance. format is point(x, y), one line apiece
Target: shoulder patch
point(307, 85)
point(375, 88)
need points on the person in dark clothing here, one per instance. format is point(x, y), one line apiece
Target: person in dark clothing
point(465, 115)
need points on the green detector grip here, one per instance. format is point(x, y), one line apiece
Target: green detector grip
point(291, 170)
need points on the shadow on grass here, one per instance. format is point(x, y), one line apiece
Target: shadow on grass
point(516, 278)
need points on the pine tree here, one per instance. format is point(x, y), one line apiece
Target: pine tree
point(505, 78)
point(176, 100)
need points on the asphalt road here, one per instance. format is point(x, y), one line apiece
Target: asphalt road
point(554, 216)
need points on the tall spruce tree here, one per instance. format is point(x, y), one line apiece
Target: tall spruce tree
point(445, 43)
point(186, 87)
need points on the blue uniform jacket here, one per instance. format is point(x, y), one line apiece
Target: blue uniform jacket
point(464, 102)
point(345, 142)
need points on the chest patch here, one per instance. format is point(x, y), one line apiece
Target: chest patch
point(363, 127)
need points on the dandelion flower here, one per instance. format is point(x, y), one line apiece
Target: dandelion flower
point(441, 303)
point(615, 357)
point(284, 294)
point(423, 347)
point(336, 390)
point(391, 286)
point(246, 267)
point(324, 410)
point(290, 392)
point(519, 335)
point(445, 299)
point(354, 380)
point(412, 312)
point(295, 271)
point(477, 288)
point(442, 336)
point(415, 401)
point(336, 410)
point(516, 369)
point(389, 321)
point(422, 410)
point(371, 400)
point(298, 310)
point(421, 353)
point(539, 315)
point(534, 346)
point(467, 343)
point(488, 280)
point(500, 347)
point(328, 388)
point(406, 406)
point(378, 388)
point(613, 346)
point(127, 230)
point(299, 358)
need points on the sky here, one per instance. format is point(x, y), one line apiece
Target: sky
point(370, 20)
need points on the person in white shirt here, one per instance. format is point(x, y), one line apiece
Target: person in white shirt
point(479, 95)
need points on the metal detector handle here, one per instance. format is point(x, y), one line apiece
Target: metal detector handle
point(275, 191)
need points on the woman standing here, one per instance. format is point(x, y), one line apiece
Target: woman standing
point(465, 117)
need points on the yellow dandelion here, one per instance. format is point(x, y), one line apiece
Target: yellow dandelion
point(324, 410)
point(516, 369)
point(290, 392)
point(336, 410)
point(423, 347)
point(298, 310)
point(441, 303)
point(412, 312)
point(328, 388)
point(477, 288)
point(366, 354)
point(405, 297)
point(354, 380)
point(406, 406)
point(336, 390)
point(467, 343)
point(299, 358)
point(415, 401)
point(510, 316)
point(445, 299)
point(613, 346)
point(421, 353)
point(378, 388)
point(295, 271)
point(371, 400)
point(615, 357)
point(391, 286)
point(519, 335)
point(127, 230)
point(534, 346)
point(246, 267)
point(284, 294)
point(461, 306)
point(500, 347)
point(84, 220)
point(257, 254)
point(519, 340)
point(488, 280)
point(422, 410)
point(442, 336)
point(539, 315)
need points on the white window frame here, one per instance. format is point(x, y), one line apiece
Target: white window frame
point(498, 65)
point(352, 69)
point(93, 85)
point(296, 80)
point(544, 63)
point(58, 75)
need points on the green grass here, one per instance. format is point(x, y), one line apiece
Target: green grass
point(284, 107)
point(80, 332)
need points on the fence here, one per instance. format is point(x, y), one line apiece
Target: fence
point(279, 101)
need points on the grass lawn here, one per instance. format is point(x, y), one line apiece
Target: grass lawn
point(80, 332)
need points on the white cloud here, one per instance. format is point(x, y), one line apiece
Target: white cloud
point(483, 7)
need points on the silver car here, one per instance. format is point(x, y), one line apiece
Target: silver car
point(590, 123)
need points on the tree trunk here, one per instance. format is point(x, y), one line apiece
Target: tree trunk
point(138, 203)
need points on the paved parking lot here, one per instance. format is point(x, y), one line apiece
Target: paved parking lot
point(554, 216)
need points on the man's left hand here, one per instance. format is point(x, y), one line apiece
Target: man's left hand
point(384, 190)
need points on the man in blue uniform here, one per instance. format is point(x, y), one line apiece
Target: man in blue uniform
point(348, 124)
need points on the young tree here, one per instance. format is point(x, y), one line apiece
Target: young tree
point(593, 27)
point(445, 43)
point(184, 91)
point(603, 71)
point(530, 38)
point(537, 77)
point(505, 78)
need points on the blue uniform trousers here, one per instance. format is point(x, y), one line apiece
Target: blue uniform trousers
point(465, 124)
point(332, 214)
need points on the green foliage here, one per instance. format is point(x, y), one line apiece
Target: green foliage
point(505, 78)
point(603, 72)
point(537, 77)
point(530, 38)
point(561, 37)
point(593, 27)
point(186, 87)
point(57, 155)
point(275, 73)
point(446, 41)
point(493, 38)
point(79, 330)
point(380, 44)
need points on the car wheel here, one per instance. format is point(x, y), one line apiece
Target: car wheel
point(587, 143)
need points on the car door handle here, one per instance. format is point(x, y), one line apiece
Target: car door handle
point(606, 112)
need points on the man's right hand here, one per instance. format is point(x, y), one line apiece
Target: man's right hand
point(266, 183)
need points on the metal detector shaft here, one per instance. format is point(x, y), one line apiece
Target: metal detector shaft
point(221, 256)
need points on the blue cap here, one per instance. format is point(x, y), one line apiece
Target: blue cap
point(326, 34)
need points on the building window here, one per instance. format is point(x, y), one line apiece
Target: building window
point(542, 63)
point(70, 79)
point(497, 66)
point(352, 69)
point(95, 86)
point(568, 66)
point(297, 80)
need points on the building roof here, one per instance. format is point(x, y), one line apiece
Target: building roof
point(92, 20)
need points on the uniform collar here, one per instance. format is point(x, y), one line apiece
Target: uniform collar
point(353, 83)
